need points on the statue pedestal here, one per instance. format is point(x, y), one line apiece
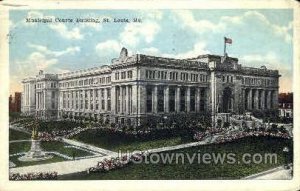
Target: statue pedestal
point(36, 153)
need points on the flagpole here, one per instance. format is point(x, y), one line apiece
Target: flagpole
point(224, 46)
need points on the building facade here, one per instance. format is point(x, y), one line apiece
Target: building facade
point(135, 87)
point(15, 102)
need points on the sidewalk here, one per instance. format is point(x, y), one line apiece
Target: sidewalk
point(278, 173)
point(89, 147)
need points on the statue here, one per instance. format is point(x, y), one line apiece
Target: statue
point(36, 153)
point(34, 133)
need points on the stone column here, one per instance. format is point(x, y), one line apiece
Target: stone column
point(142, 99)
point(37, 100)
point(243, 100)
point(256, 99)
point(89, 99)
point(154, 99)
point(105, 99)
point(269, 99)
point(262, 99)
point(166, 99)
point(94, 100)
point(197, 99)
point(177, 99)
point(250, 99)
point(44, 99)
point(128, 99)
point(121, 99)
point(134, 99)
point(188, 98)
point(113, 99)
point(99, 99)
point(83, 98)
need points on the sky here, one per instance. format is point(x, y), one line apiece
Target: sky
point(260, 37)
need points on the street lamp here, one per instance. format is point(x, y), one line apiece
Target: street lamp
point(285, 155)
point(165, 119)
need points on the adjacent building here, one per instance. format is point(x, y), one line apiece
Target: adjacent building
point(15, 102)
point(286, 105)
point(135, 87)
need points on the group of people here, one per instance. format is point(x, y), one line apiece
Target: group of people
point(115, 163)
point(34, 176)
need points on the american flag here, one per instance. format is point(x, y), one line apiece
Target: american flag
point(228, 40)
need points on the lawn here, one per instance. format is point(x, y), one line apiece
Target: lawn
point(18, 135)
point(47, 146)
point(199, 171)
point(117, 143)
point(28, 163)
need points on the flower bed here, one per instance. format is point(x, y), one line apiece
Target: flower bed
point(34, 176)
point(115, 163)
point(232, 137)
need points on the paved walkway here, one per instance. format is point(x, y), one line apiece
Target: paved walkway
point(22, 140)
point(88, 146)
point(278, 173)
point(182, 146)
point(18, 128)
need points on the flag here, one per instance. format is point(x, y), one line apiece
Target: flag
point(228, 40)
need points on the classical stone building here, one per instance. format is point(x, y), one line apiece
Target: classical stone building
point(134, 87)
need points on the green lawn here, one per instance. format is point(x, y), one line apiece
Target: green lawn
point(118, 143)
point(199, 171)
point(20, 164)
point(18, 135)
point(47, 146)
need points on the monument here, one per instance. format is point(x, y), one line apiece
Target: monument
point(35, 153)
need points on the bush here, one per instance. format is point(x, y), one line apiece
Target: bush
point(226, 124)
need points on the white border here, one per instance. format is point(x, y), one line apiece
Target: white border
point(142, 184)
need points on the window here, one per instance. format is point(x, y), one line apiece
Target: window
point(194, 77)
point(123, 75)
point(149, 99)
point(172, 95)
point(117, 76)
point(108, 105)
point(150, 74)
point(184, 76)
point(102, 93)
point(160, 99)
point(173, 75)
point(129, 74)
point(103, 104)
point(108, 94)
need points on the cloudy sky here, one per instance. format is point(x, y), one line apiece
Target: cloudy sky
point(260, 37)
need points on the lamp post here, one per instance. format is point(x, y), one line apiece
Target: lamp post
point(285, 151)
point(165, 119)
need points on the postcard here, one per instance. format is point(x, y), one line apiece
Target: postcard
point(127, 95)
